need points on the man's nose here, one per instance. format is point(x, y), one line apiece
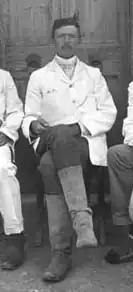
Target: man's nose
point(66, 38)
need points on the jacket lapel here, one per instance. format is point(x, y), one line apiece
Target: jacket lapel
point(59, 72)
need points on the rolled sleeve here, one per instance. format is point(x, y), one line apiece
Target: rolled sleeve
point(32, 105)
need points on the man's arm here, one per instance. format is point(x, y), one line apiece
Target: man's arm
point(128, 121)
point(14, 110)
point(103, 118)
point(32, 108)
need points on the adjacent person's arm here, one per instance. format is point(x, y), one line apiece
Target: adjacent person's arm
point(128, 121)
point(13, 113)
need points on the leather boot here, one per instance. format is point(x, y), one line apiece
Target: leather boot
point(60, 235)
point(73, 186)
point(14, 251)
point(58, 268)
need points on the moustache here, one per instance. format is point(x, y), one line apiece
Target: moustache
point(67, 46)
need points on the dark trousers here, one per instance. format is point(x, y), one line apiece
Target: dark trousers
point(65, 152)
point(120, 166)
point(74, 151)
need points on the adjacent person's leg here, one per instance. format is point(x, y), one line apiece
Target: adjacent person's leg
point(10, 208)
point(120, 166)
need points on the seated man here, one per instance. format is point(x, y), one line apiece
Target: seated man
point(68, 111)
point(11, 114)
point(120, 165)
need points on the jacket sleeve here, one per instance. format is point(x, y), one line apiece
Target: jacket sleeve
point(14, 109)
point(127, 130)
point(32, 104)
point(103, 118)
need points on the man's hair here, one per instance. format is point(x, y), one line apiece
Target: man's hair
point(33, 61)
point(96, 63)
point(58, 23)
point(34, 64)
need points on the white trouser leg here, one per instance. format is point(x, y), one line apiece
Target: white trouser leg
point(10, 198)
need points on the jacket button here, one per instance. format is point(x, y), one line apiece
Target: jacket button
point(71, 85)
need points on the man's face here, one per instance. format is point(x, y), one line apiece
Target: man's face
point(66, 39)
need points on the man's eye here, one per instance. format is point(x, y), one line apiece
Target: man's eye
point(60, 36)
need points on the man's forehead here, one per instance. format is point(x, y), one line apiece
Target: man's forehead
point(67, 29)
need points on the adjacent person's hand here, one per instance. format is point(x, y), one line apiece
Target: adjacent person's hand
point(4, 139)
point(37, 127)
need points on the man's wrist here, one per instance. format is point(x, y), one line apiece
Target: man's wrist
point(76, 128)
point(32, 133)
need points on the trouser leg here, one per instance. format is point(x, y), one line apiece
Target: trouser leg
point(60, 229)
point(120, 166)
point(58, 216)
point(66, 159)
point(10, 208)
point(10, 198)
point(72, 180)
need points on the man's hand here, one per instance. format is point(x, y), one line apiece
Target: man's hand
point(75, 129)
point(37, 127)
point(4, 139)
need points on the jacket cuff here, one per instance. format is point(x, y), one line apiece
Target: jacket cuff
point(13, 135)
point(26, 128)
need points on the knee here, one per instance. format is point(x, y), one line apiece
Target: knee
point(6, 164)
point(63, 134)
point(117, 153)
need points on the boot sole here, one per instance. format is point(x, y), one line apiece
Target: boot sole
point(57, 279)
point(10, 267)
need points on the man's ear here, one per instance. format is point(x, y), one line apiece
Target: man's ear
point(80, 39)
point(52, 40)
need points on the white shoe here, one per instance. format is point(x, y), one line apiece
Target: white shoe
point(86, 237)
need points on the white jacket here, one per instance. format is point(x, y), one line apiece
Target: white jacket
point(128, 121)
point(84, 99)
point(11, 107)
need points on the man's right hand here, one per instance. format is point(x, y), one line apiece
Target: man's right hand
point(37, 127)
